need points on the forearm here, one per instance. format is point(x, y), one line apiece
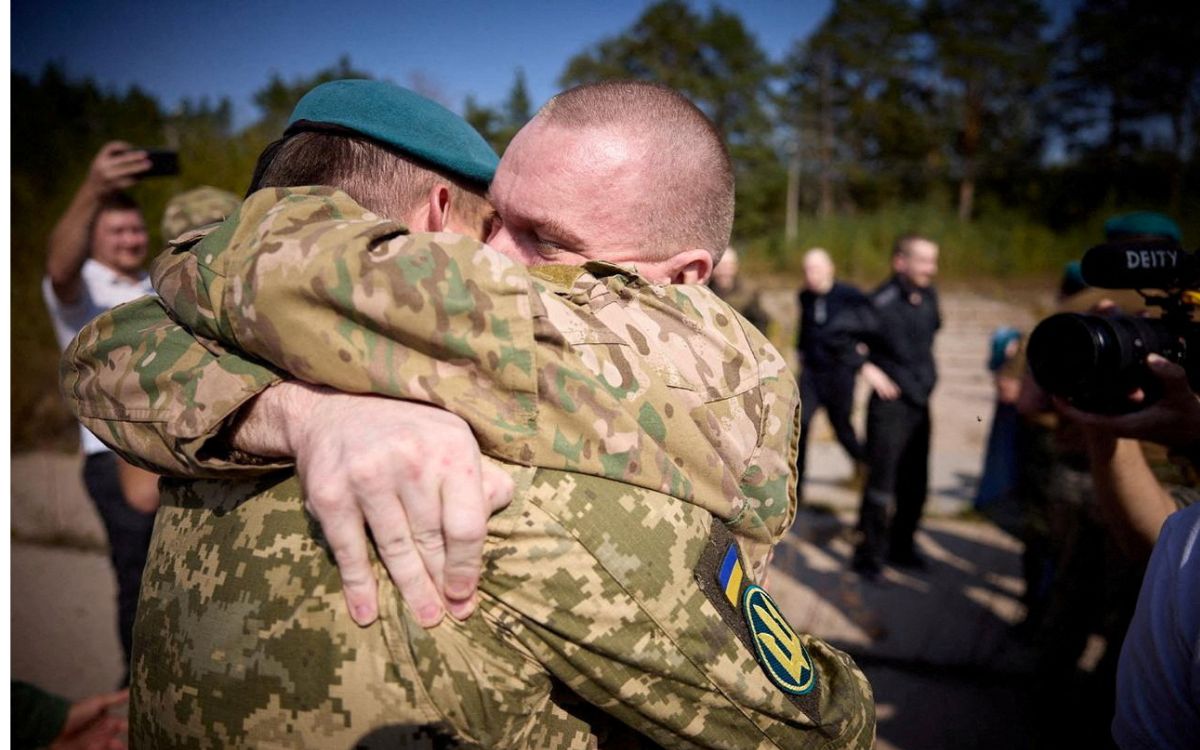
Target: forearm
point(68, 244)
point(269, 425)
point(1132, 500)
point(158, 396)
point(139, 486)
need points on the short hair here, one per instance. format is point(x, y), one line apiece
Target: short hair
point(692, 172)
point(905, 242)
point(378, 178)
point(116, 201)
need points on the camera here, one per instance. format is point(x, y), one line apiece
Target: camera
point(1096, 361)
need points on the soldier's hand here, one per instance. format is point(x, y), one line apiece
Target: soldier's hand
point(883, 386)
point(1173, 420)
point(116, 167)
point(413, 473)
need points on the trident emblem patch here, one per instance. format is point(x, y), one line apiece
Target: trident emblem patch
point(778, 647)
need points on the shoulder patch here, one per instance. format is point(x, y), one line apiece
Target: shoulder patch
point(755, 620)
point(776, 645)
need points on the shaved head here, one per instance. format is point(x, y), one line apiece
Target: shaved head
point(818, 255)
point(684, 175)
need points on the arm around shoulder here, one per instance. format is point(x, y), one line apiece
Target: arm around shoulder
point(158, 396)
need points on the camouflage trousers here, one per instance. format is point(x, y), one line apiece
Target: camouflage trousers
point(597, 612)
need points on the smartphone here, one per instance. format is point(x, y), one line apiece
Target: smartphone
point(163, 162)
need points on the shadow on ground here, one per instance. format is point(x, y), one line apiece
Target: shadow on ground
point(935, 644)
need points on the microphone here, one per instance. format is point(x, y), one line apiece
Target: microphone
point(1140, 264)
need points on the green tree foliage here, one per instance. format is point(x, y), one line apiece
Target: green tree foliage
point(859, 101)
point(990, 59)
point(720, 66)
point(1127, 88)
point(517, 108)
point(499, 126)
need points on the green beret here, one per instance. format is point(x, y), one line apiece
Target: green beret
point(403, 120)
point(1142, 223)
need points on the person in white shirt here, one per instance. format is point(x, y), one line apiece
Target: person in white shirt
point(94, 262)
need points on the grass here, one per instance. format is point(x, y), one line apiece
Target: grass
point(1000, 245)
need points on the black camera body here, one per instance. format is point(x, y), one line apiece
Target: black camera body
point(1096, 361)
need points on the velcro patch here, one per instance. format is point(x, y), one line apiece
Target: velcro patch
point(753, 615)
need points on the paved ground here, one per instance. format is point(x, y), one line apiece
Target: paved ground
point(935, 645)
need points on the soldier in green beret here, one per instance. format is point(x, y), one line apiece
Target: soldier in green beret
point(647, 432)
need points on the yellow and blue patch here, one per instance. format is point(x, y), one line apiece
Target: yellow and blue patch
point(776, 644)
point(756, 620)
point(730, 575)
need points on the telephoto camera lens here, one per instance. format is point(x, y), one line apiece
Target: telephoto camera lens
point(1096, 361)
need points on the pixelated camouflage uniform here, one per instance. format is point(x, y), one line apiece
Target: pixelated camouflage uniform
point(628, 414)
point(197, 208)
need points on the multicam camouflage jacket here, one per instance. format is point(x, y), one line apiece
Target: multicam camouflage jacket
point(611, 576)
point(582, 368)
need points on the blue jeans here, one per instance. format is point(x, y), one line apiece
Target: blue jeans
point(128, 537)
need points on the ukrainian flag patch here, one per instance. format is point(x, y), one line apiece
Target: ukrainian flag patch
point(731, 576)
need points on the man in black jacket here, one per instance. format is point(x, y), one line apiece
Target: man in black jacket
point(830, 313)
point(902, 374)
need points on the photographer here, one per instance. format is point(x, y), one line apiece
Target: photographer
point(1127, 380)
point(1097, 361)
point(1134, 502)
point(1158, 676)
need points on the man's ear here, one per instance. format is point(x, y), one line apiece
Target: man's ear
point(434, 212)
point(689, 267)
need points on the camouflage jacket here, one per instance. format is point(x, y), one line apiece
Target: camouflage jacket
point(603, 582)
point(581, 368)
